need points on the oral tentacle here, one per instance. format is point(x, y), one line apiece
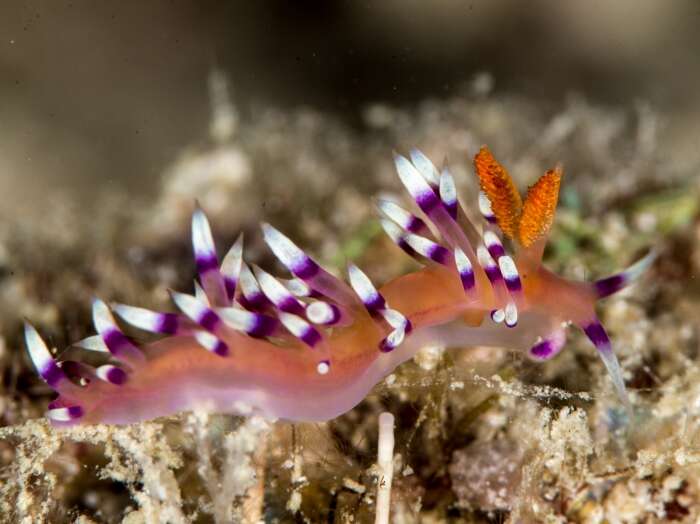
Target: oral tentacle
point(607, 286)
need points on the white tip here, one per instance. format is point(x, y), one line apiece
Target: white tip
point(202, 240)
point(272, 288)
point(238, 319)
point(392, 230)
point(361, 283)
point(93, 343)
point(420, 245)
point(297, 326)
point(103, 373)
point(411, 178)
point(323, 368)
point(462, 261)
point(231, 264)
point(200, 294)
point(38, 352)
point(394, 318)
point(102, 317)
point(297, 287)
point(249, 286)
point(448, 190)
point(498, 316)
point(485, 205)
point(637, 269)
point(61, 415)
point(484, 257)
point(395, 338)
point(189, 305)
point(491, 239)
point(511, 314)
point(425, 167)
point(508, 268)
point(206, 340)
point(138, 317)
point(395, 212)
point(319, 313)
point(284, 249)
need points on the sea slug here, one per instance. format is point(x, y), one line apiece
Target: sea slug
point(311, 347)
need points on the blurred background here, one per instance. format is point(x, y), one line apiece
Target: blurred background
point(102, 97)
point(116, 116)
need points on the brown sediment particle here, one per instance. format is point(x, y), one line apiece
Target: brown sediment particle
point(539, 207)
point(495, 181)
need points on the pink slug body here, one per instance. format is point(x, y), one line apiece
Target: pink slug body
point(312, 347)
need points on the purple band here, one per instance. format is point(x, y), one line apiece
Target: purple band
point(75, 412)
point(385, 347)
point(206, 263)
point(255, 301)
point(493, 273)
point(513, 284)
point(439, 254)
point(427, 201)
point(209, 320)
point(115, 340)
point(230, 284)
point(291, 305)
point(598, 336)
point(116, 376)
point(264, 326)
point(468, 280)
point(415, 224)
point(336, 315)
point(452, 209)
point(607, 286)
point(375, 302)
point(168, 323)
point(306, 270)
point(496, 251)
point(311, 337)
point(542, 350)
point(220, 348)
point(52, 374)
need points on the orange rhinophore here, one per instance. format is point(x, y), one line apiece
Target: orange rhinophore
point(539, 207)
point(311, 347)
point(501, 191)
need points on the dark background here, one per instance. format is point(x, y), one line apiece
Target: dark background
point(101, 96)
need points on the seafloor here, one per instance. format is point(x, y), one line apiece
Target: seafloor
point(482, 435)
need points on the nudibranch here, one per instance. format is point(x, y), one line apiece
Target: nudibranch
point(310, 347)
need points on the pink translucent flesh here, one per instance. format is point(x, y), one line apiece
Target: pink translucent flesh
point(281, 380)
